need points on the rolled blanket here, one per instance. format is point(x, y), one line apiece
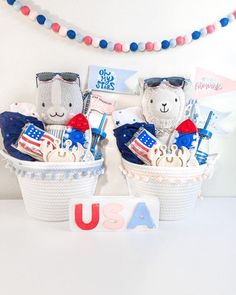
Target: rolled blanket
point(124, 134)
point(11, 125)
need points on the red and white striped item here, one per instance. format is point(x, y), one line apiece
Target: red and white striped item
point(141, 143)
point(30, 141)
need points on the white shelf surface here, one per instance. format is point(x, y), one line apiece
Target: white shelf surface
point(192, 257)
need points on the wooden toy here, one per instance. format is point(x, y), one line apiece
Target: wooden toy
point(160, 156)
point(57, 154)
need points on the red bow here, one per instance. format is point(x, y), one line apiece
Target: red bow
point(79, 122)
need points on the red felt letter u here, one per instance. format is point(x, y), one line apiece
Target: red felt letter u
point(79, 217)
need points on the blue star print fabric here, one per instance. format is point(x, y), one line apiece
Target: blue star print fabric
point(124, 134)
point(11, 125)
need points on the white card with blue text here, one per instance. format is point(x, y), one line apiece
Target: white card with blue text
point(109, 79)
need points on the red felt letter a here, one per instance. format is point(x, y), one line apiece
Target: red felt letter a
point(79, 219)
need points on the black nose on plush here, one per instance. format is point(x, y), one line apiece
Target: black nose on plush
point(164, 104)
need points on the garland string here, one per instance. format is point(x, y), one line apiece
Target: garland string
point(118, 46)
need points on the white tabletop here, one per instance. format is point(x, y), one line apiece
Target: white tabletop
point(195, 257)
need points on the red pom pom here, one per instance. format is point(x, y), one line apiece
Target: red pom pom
point(118, 47)
point(79, 122)
point(180, 40)
point(187, 126)
point(88, 40)
point(25, 10)
point(210, 29)
point(55, 27)
point(149, 46)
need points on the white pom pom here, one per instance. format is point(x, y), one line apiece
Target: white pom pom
point(126, 47)
point(95, 42)
point(63, 31)
point(188, 38)
point(157, 46)
point(217, 25)
point(32, 15)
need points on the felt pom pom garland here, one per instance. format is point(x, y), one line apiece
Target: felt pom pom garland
point(134, 46)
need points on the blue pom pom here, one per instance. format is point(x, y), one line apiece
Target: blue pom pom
point(71, 34)
point(41, 19)
point(133, 46)
point(11, 2)
point(196, 35)
point(224, 21)
point(165, 44)
point(103, 44)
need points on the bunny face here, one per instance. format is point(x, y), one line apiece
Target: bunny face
point(58, 101)
point(163, 105)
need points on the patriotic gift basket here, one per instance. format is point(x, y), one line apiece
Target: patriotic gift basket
point(53, 148)
point(47, 188)
point(176, 188)
point(164, 152)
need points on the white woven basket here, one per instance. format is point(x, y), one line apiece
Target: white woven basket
point(48, 187)
point(176, 187)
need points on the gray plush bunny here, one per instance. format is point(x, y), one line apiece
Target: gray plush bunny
point(59, 100)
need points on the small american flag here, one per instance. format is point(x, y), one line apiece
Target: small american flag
point(31, 139)
point(142, 143)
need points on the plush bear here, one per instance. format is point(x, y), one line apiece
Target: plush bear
point(164, 105)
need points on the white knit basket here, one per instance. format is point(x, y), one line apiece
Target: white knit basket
point(48, 187)
point(176, 187)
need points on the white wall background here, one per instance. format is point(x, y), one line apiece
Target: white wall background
point(26, 48)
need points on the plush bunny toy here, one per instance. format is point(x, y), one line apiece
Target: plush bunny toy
point(59, 99)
